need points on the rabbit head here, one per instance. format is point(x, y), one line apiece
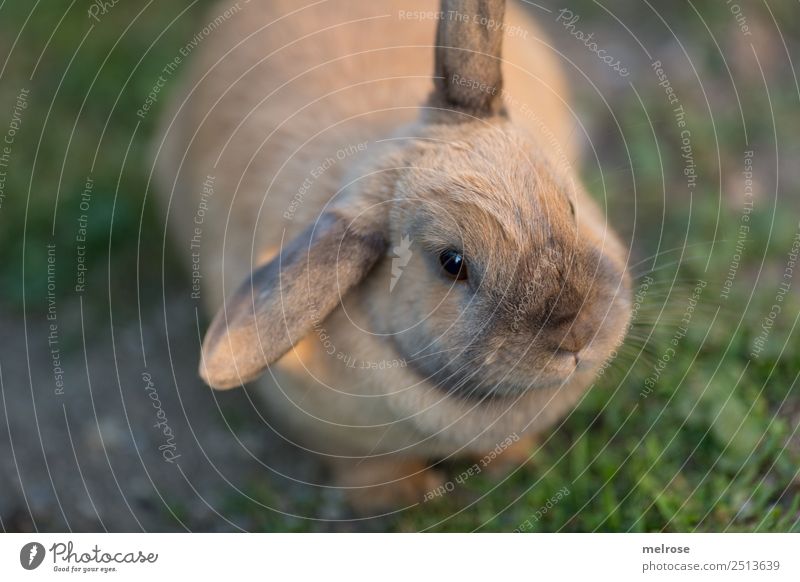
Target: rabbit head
point(474, 254)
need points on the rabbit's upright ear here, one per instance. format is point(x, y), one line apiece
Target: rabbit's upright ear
point(280, 302)
point(469, 44)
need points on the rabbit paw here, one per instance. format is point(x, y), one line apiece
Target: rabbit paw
point(374, 486)
point(516, 455)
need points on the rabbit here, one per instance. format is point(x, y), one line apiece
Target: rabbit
point(391, 233)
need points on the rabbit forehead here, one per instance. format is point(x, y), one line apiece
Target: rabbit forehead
point(491, 188)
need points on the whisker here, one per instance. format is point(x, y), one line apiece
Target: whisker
point(672, 250)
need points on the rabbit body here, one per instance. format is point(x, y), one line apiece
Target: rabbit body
point(285, 106)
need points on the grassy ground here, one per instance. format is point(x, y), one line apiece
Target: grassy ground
point(695, 424)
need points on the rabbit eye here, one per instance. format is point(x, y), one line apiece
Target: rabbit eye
point(454, 264)
point(571, 207)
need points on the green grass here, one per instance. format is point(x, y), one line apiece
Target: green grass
point(706, 450)
point(80, 123)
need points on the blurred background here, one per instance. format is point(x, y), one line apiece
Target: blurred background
point(695, 136)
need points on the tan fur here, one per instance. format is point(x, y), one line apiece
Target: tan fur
point(469, 50)
point(269, 98)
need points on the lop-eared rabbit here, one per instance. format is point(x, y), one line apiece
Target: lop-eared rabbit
point(389, 231)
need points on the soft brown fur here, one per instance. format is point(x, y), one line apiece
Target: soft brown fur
point(509, 350)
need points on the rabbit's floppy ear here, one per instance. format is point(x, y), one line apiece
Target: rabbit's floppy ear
point(280, 302)
point(469, 43)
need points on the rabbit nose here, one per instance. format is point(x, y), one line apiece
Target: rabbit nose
point(572, 342)
point(571, 337)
